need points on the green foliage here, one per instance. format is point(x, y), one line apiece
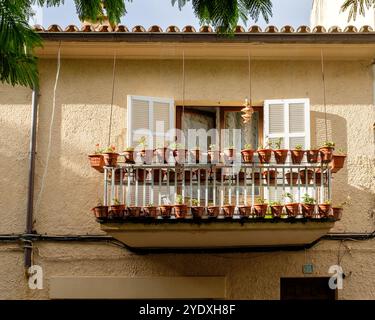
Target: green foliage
point(356, 6)
point(116, 202)
point(275, 203)
point(307, 199)
point(179, 199)
point(328, 144)
point(278, 143)
point(298, 147)
point(261, 201)
point(248, 146)
point(129, 149)
point(195, 202)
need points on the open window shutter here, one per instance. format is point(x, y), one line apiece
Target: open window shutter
point(288, 120)
point(147, 114)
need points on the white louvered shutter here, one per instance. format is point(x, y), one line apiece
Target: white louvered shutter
point(289, 120)
point(149, 114)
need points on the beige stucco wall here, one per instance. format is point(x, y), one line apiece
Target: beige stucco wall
point(81, 120)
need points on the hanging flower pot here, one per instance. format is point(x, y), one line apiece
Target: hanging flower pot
point(195, 155)
point(134, 211)
point(337, 213)
point(297, 154)
point(280, 155)
point(147, 155)
point(100, 212)
point(260, 209)
point(326, 151)
point(264, 155)
point(308, 210)
point(129, 155)
point(150, 211)
point(180, 155)
point(180, 209)
point(97, 162)
point(292, 209)
point(337, 162)
point(213, 211)
point(276, 209)
point(230, 152)
point(312, 156)
point(228, 210)
point(213, 155)
point(306, 176)
point(202, 173)
point(292, 178)
point(156, 175)
point(140, 174)
point(196, 209)
point(116, 211)
point(165, 211)
point(244, 211)
point(269, 175)
point(247, 154)
point(325, 209)
point(110, 159)
point(162, 154)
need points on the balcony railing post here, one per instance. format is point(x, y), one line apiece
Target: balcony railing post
point(105, 191)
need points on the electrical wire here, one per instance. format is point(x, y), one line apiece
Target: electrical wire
point(324, 94)
point(50, 128)
point(113, 93)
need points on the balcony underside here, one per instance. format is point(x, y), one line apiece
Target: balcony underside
point(185, 234)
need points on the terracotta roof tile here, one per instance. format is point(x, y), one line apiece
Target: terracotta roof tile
point(188, 29)
point(205, 29)
point(303, 29)
point(172, 29)
point(54, 28)
point(138, 29)
point(121, 28)
point(155, 28)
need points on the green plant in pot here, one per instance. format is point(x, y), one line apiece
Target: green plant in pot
point(244, 210)
point(279, 153)
point(228, 210)
point(179, 152)
point(338, 160)
point(291, 207)
point(338, 209)
point(265, 153)
point(97, 159)
point(150, 211)
point(308, 206)
point(129, 155)
point(134, 211)
point(162, 152)
point(213, 211)
point(260, 207)
point(116, 210)
point(326, 151)
point(325, 208)
point(230, 151)
point(180, 208)
point(213, 154)
point(146, 154)
point(276, 209)
point(297, 154)
point(110, 156)
point(100, 211)
point(247, 153)
point(196, 209)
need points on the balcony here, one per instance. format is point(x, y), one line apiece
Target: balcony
point(216, 205)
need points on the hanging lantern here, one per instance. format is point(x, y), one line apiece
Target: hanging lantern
point(247, 112)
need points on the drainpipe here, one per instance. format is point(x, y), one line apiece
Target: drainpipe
point(30, 191)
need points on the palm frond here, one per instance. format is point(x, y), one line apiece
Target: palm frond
point(355, 7)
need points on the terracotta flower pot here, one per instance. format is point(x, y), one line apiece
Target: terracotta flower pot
point(292, 209)
point(213, 211)
point(245, 211)
point(265, 155)
point(247, 155)
point(110, 159)
point(180, 210)
point(324, 209)
point(150, 212)
point(277, 210)
point(257, 176)
point(292, 178)
point(213, 156)
point(337, 213)
point(129, 156)
point(195, 155)
point(180, 155)
point(100, 212)
point(280, 156)
point(312, 156)
point(337, 162)
point(147, 156)
point(297, 156)
point(116, 211)
point(302, 174)
point(269, 174)
point(162, 154)
point(165, 211)
point(140, 174)
point(228, 210)
point(260, 210)
point(97, 162)
point(134, 212)
point(230, 152)
point(156, 175)
point(202, 173)
point(308, 210)
point(326, 154)
point(180, 175)
point(118, 175)
point(197, 211)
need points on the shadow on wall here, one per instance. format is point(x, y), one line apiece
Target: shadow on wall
point(358, 216)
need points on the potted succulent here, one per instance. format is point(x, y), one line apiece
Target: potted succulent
point(162, 152)
point(291, 207)
point(247, 153)
point(213, 154)
point(265, 153)
point(297, 154)
point(110, 156)
point(326, 151)
point(325, 208)
point(306, 176)
point(116, 210)
point(244, 211)
point(97, 159)
point(337, 161)
point(292, 177)
point(196, 209)
point(269, 175)
point(230, 152)
point(179, 152)
point(228, 210)
point(308, 206)
point(276, 208)
point(338, 210)
point(100, 211)
point(147, 155)
point(260, 207)
point(129, 155)
point(180, 208)
point(280, 154)
point(134, 211)
point(150, 211)
point(312, 155)
point(165, 210)
point(213, 211)
point(195, 155)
